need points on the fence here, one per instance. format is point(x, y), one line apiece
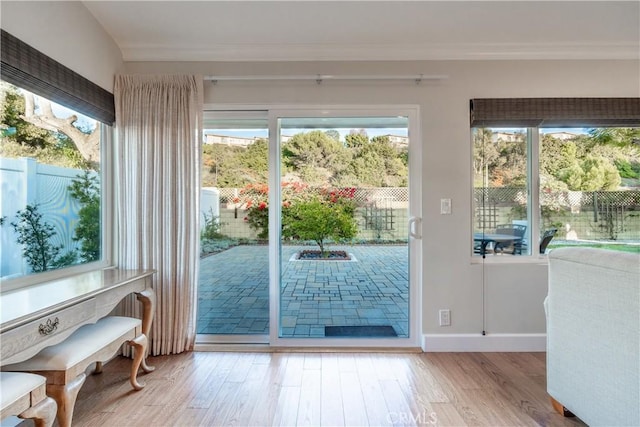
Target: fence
point(382, 214)
point(586, 215)
point(27, 182)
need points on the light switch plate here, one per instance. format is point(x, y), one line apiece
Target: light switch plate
point(445, 206)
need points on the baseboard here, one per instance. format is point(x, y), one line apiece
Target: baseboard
point(483, 343)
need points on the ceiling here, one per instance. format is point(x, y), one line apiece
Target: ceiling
point(370, 30)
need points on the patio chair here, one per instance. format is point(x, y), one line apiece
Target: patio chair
point(516, 230)
point(546, 239)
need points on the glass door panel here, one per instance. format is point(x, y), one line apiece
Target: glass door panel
point(233, 291)
point(344, 227)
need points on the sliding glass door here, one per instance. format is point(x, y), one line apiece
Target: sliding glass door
point(233, 292)
point(312, 234)
point(341, 260)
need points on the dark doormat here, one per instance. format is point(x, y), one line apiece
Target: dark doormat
point(359, 331)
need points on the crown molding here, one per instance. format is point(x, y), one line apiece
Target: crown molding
point(368, 52)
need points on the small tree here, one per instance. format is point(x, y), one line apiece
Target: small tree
point(319, 220)
point(211, 229)
point(35, 234)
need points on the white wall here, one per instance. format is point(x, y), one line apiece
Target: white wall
point(68, 33)
point(514, 293)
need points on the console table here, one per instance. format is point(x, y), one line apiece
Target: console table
point(41, 315)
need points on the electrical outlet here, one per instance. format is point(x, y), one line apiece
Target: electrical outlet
point(445, 317)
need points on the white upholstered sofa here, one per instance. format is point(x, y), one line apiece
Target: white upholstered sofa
point(593, 335)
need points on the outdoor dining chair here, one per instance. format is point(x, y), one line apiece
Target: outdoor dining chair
point(517, 230)
point(546, 239)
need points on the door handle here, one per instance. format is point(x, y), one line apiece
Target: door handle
point(415, 227)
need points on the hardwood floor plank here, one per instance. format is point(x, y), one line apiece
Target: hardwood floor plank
point(333, 389)
point(355, 413)
point(309, 408)
point(331, 394)
point(204, 392)
point(446, 415)
point(287, 409)
point(375, 404)
point(264, 409)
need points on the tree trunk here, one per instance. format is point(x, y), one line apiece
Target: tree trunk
point(87, 144)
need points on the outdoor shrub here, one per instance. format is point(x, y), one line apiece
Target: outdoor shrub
point(301, 205)
point(255, 199)
point(319, 220)
point(35, 234)
point(208, 246)
point(211, 229)
point(86, 190)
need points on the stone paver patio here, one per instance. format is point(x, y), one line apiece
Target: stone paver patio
point(233, 294)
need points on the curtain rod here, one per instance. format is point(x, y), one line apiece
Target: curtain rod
point(319, 78)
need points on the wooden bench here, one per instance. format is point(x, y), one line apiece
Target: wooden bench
point(23, 395)
point(64, 364)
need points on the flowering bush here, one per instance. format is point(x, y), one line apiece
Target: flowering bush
point(303, 209)
point(319, 219)
point(255, 199)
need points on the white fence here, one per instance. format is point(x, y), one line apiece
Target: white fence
point(27, 182)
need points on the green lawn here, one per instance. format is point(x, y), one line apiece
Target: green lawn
point(611, 246)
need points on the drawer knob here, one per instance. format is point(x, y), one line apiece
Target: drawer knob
point(49, 327)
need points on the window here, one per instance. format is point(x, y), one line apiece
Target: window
point(551, 172)
point(588, 190)
point(53, 164)
point(51, 185)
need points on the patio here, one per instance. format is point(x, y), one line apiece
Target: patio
point(233, 294)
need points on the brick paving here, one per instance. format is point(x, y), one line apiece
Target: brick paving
point(233, 294)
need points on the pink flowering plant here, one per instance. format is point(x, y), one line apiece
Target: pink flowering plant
point(307, 213)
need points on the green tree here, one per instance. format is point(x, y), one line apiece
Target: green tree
point(34, 234)
point(30, 129)
point(620, 137)
point(356, 139)
point(225, 166)
point(319, 220)
point(86, 190)
point(256, 158)
point(22, 132)
point(367, 167)
point(320, 156)
point(599, 174)
point(485, 154)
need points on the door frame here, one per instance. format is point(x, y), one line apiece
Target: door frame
point(415, 216)
point(272, 111)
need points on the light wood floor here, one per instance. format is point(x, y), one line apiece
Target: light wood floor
point(318, 389)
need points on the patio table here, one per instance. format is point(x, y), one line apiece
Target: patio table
point(486, 238)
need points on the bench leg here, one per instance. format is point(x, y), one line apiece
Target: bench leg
point(139, 344)
point(65, 396)
point(43, 414)
point(98, 369)
point(148, 300)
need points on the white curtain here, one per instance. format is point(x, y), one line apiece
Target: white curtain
point(158, 146)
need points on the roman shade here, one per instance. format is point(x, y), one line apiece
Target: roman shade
point(30, 69)
point(555, 112)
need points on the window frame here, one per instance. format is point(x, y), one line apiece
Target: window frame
point(26, 67)
point(533, 202)
point(107, 219)
point(534, 211)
